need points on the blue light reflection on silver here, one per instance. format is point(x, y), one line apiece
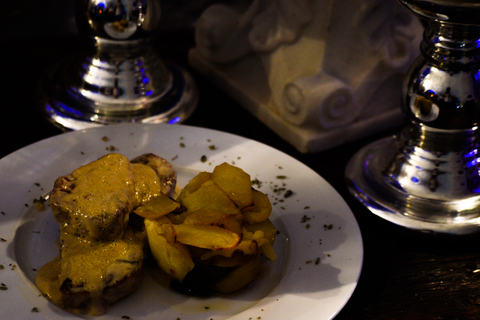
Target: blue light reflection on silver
point(69, 109)
point(472, 161)
point(174, 120)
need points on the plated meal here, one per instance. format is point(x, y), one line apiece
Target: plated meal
point(289, 235)
point(113, 212)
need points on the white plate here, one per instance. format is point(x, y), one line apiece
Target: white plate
point(319, 247)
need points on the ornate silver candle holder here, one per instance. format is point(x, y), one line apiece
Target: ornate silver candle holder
point(427, 177)
point(122, 79)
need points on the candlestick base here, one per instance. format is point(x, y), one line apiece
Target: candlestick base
point(428, 177)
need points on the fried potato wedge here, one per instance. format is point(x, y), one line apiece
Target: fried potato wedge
point(157, 207)
point(207, 237)
point(261, 209)
point(240, 277)
point(247, 247)
point(268, 251)
point(264, 233)
point(194, 184)
point(210, 196)
point(265, 226)
point(212, 217)
point(163, 227)
point(236, 183)
point(173, 258)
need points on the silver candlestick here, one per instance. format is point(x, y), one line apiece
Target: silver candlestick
point(122, 79)
point(428, 176)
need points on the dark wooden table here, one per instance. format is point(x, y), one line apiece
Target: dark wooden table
point(406, 275)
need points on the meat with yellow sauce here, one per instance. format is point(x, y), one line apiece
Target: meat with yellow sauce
point(101, 257)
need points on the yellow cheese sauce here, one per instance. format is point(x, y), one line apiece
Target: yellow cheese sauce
point(91, 266)
point(106, 262)
point(147, 184)
point(102, 196)
point(104, 193)
point(48, 283)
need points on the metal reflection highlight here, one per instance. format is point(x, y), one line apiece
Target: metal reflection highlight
point(120, 78)
point(428, 176)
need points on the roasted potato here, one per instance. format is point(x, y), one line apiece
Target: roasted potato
point(212, 217)
point(247, 247)
point(265, 226)
point(157, 207)
point(209, 195)
point(218, 221)
point(261, 209)
point(172, 257)
point(235, 183)
point(264, 234)
point(206, 237)
point(194, 184)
